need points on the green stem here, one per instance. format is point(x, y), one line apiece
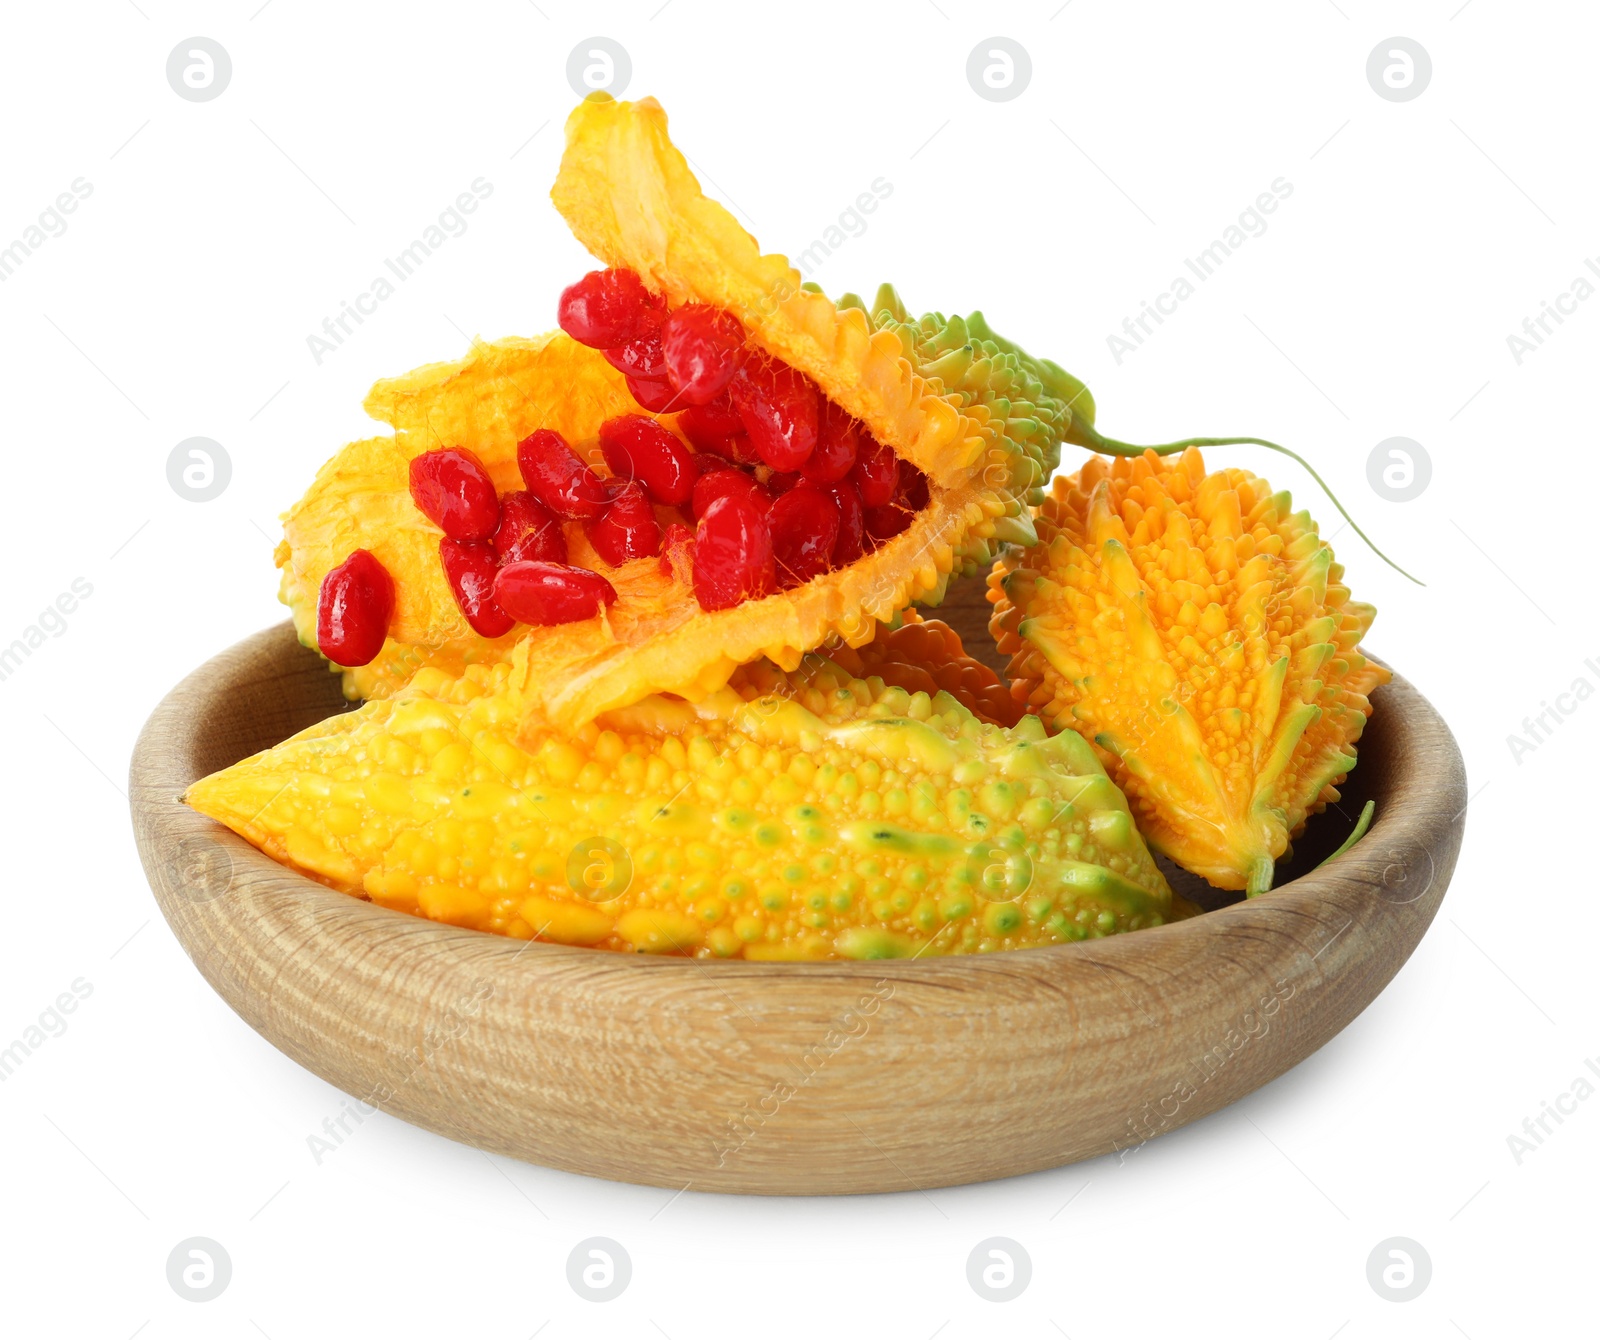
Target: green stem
point(1260, 880)
point(1086, 435)
point(1359, 832)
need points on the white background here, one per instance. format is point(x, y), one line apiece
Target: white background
point(218, 236)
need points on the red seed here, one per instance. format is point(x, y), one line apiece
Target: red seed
point(558, 478)
point(353, 609)
point(639, 448)
point(547, 546)
point(453, 490)
point(607, 308)
point(732, 555)
point(876, 474)
point(470, 567)
point(838, 441)
point(656, 396)
point(677, 553)
point(640, 357)
point(851, 543)
point(779, 483)
point(542, 594)
point(912, 490)
point(701, 345)
point(884, 523)
point(627, 529)
point(778, 407)
point(525, 522)
point(714, 422)
point(721, 483)
point(805, 527)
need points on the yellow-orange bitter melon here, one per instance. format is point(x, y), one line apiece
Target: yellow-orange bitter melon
point(1197, 631)
point(802, 814)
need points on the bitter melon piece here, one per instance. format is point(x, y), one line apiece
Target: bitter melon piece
point(1198, 632)
point(802, 814)
point(969, 410)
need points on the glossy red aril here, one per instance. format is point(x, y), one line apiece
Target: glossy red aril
point(884, 523)
point(607, 308)
point(453, 490)
point(548, 545)
point(721, 483)
point(526, 522)
point(701, 345)
point(542, 594)
point(778, 407)
point(876, 475)
point(838, 441)
point(805, 526)
point(710, 426)
point(641, 357)
point(470, 567)
point(353, 609)
point(558, 478)
point(636, 447)
point(779, 483)
point(851, 543)
point(627, 529)
point(912, 490)
point(732, 555)
point(656, 396)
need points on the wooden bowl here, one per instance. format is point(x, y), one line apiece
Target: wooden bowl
point(798, 1078)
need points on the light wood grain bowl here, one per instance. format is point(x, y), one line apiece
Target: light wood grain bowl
point(785, 1078)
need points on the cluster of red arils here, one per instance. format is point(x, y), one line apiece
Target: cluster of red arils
point(505, 557)
point(783, 485)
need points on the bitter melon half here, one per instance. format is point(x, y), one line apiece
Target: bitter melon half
point(967, 410)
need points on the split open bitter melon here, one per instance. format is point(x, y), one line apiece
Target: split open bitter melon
point(1196, 630)
point(972, 413)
